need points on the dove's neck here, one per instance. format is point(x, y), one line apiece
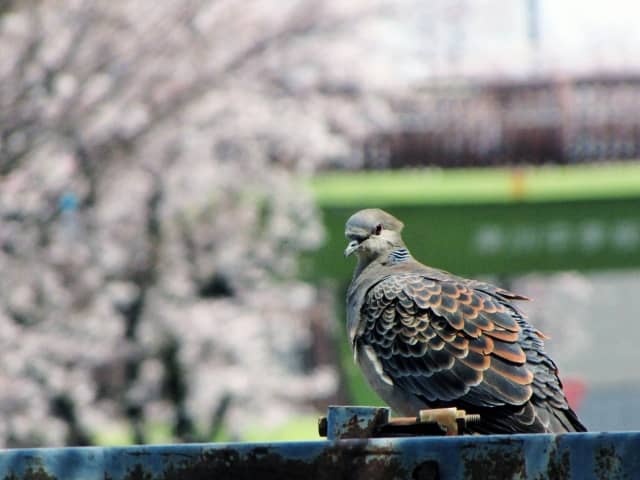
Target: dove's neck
point(393, 256)
point(399, 255)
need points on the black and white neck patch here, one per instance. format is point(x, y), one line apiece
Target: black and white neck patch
point(399, 255)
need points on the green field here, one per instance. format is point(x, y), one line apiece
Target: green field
point(487, 185)
point(492, 220)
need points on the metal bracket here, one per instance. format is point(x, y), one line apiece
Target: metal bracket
point(366, 422)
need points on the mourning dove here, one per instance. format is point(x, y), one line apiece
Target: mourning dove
point(425, 338)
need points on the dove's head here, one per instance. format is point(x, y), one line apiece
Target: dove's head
point(372, 233)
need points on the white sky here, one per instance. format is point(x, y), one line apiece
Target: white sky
point(592, 34)
point(490, 37)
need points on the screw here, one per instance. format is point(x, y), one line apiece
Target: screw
point(472, 418)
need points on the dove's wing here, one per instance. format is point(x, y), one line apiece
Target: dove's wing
point(454, 342)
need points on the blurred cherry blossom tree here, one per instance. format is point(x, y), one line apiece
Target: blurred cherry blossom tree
point(151, 210)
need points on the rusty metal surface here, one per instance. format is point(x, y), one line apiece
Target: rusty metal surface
point(574, 456)
point(578, 456)
point(354, 422)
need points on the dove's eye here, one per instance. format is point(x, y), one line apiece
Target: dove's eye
point(377, 229)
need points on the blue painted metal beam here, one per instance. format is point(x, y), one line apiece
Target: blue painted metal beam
point(576, 456)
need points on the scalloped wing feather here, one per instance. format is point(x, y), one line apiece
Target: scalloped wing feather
point(450, 340)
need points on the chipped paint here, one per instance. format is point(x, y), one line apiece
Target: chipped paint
point(500, 460)
point(354, 422)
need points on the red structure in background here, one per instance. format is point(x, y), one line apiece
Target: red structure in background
point(575, 390)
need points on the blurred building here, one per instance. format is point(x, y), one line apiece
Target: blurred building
point(533, 121)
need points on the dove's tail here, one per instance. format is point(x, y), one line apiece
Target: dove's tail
point(566, 420)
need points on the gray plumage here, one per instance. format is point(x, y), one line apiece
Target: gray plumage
point(425, 338)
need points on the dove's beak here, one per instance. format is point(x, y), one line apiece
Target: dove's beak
point(352, 247)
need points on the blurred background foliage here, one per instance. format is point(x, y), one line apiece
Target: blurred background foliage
point(174, 177)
